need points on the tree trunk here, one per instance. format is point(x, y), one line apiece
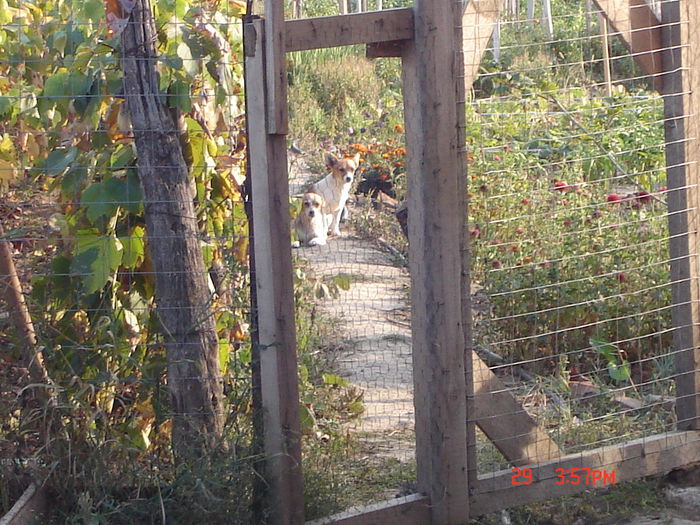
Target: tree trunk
point(182, 295)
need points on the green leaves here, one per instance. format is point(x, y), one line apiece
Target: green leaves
point(134, 247)
point(64, 84)
point(618, 367)
point(102, 199)
point(58, 160)
point(96, 259)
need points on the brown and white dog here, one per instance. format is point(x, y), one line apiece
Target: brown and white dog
point(335, 188)
point(311, 224)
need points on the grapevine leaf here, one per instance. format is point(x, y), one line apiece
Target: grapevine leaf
point(134, 248)
point(102, 199)
point(96, 258)
point(58, 160)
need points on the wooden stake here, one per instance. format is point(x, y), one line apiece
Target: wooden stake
point(607, 70)
point(11, 292)
point(276, 68)
point(436, 203)
point(681, 104)
point(274, 294)
point(547, 19)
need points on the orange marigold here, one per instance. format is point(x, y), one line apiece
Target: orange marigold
point(398, 128)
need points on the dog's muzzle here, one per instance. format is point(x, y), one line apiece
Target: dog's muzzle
point(312, 213)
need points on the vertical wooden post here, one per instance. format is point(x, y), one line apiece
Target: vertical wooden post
point(274, 290)
point(607, 69)
point(681, 105)
point(530, 14)
point(497, 41)
point(547, 18)
point(433, 98)
point(276, 68)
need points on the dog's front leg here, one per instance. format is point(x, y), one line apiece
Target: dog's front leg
point(335, 222)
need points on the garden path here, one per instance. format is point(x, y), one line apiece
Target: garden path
point(374, 325)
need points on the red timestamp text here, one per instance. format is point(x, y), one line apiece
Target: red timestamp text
point(573, 476)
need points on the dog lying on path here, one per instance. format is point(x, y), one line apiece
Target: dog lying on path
point(311, 224)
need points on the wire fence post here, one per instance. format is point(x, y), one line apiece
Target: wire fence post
point(436, 209)
point(274, 288)
point(681, 102)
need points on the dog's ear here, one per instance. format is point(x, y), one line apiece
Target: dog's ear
point(331, 160)
point(356, 159)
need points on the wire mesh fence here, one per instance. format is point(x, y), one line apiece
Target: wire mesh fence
point(570, 242)
point(125, 332)
point(90, 362)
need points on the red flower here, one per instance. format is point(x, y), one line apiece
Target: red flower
point(643, 196)
point(621, 277)
point(519, 230)
point(567, 223)
point(496, 263)
point(614, 198)
point(560, 185)
point(525, 201)
point(474, 232)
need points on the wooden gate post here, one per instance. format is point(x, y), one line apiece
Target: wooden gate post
point(433, 101)
point(681, 106)
point(273, 280)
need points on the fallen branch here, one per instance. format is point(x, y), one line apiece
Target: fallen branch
point(11, 292)
point(394, 251)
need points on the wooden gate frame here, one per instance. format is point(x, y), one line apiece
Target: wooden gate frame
point(452, 386)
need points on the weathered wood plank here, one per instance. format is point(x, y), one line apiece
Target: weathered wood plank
point(640, 29)
point(644, 457)
point(681, 104)
point(478, 21)
point(345, 30)
point(504, 421)
point(276, 68)
point(275, 295)
point(30, 508)
point(392, 48)
point(433, 101)
point(408, 510)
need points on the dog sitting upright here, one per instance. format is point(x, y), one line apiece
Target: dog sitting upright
point(335, 187)
point(311, 224)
